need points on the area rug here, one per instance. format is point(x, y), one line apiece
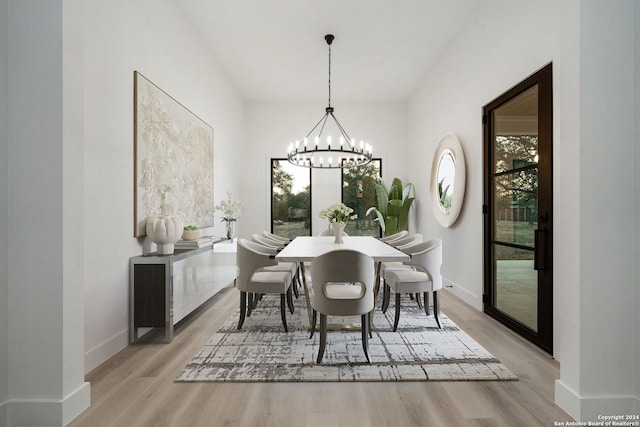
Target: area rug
point(418, 351)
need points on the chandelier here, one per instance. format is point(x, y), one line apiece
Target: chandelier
point(343, 152)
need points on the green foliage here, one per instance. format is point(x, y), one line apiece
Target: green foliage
point(393, 208)
point(190, 227)
point(445, 197)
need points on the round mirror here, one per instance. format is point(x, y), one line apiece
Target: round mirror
point(446, 180)
point(448, 174)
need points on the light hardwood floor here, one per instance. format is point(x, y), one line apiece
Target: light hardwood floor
point(136, 388)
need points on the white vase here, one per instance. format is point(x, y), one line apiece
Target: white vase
point(338, 232)
point(164, 231)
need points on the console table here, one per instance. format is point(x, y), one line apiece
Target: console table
point(166, 288)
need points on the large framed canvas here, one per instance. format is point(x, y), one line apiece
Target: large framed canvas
point(173, 154)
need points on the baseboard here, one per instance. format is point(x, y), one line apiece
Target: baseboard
point(46, 412)
point(469, 297)
point(595, 408)
point(567, 399)
point(103, 352)
point(3, 414)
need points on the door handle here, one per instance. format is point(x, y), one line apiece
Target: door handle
point(539, 253)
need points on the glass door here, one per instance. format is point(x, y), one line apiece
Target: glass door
point(517, 208)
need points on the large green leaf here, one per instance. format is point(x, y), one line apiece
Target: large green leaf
point(391, 225)
point(393, 208)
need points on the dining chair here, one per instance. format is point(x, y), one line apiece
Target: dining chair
point(410, 244)
point(342, 283)
point(408, 240)
point(424, 276)
point(255, 279)
point(276, 237)
point(394, 236)
point(256, 244)
point(259, 238)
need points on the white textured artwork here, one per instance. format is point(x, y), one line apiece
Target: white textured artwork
point(173, 159)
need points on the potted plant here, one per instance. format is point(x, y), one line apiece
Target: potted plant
point(190, 232)
point(231, 210)
point(393, 208)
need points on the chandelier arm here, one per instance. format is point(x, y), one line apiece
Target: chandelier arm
point(344, 132)
point(324, 118)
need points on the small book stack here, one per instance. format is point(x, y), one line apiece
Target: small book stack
point(200, 242)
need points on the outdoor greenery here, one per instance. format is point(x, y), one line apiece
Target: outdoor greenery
point(291, 209)
point(359, 193)
point(519, 188)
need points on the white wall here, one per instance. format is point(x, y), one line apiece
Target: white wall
point(607, 183)
point(493, 53)
point(43, 282)
point(4, 215)
point(272, 125)
point(589, 43)
point(153, 38)
point(637, 191)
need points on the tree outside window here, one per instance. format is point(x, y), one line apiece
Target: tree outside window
point(290, 199)
point(359, 193)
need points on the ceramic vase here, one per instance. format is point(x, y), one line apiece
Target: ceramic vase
point(338, 232)
point(164, 231)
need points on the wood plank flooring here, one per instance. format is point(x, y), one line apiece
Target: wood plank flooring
point(136, 388)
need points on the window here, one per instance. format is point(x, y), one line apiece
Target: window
point(290, 199)
point(359, 193)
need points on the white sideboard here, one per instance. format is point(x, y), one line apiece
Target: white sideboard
point(164, 289)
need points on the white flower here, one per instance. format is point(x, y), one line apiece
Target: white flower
point(338, 213)
point(230, 208)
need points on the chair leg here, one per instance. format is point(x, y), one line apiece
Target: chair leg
point(294, 284)
point(314, 317)
point(418, 300)
point(386, 292)
point(250, 305)
point(256, 297)
point(323, 337)
point(397, 319)
point(290, 299)
point(243, 308)
point(436, 307)
point(283, 312)
point(365, 335)
point(426, 303)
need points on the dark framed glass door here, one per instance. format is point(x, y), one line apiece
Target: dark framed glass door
point(518, 214)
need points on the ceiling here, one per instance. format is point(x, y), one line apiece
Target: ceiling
point(275, 49)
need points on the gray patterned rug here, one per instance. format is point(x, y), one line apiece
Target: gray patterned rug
point(419, 351)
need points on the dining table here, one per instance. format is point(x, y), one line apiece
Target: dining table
point(304, 249)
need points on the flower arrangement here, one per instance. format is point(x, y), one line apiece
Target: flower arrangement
point(231, 209)
point(338, 213)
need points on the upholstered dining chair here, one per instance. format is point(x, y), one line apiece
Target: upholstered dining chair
point(423, 276)
point(255, 279)
point(259, 238)
point(408, 244)
point(394, 236)
point(408, 240)
point(257, 244)
point(342, 282)
point(276, 237)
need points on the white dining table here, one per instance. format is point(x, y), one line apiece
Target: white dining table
point(305, 248)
